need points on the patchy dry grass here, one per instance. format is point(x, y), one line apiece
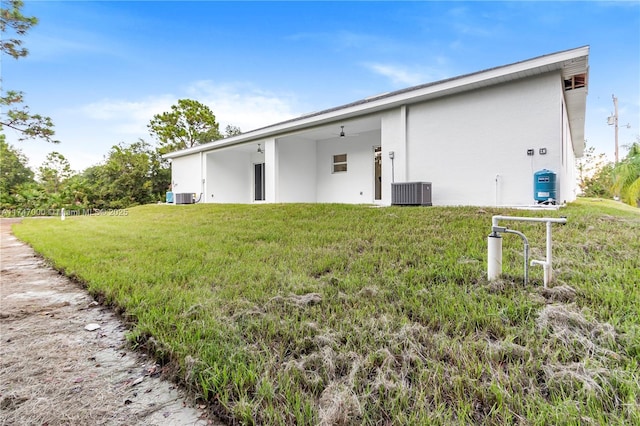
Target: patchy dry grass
point(337, 315)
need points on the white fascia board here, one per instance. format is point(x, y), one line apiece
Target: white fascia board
point(527, 68)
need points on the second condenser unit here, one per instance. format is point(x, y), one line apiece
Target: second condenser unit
point(184, 198)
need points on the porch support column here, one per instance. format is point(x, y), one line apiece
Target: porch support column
point(203, 172)
point(393, 137)
point(402, 173)
point(271, 170)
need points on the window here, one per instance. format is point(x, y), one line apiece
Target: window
point(339, 163)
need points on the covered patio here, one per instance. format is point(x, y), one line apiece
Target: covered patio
point(339, 162)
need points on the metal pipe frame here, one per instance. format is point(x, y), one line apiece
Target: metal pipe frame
point(495, 219)
point(546, 264)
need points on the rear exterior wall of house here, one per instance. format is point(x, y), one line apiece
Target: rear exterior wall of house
point(475, 147)
point(479, 147)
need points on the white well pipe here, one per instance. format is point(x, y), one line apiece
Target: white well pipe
point(494, 248)
point(495, 219)
point(549, 270)
point(494, 267)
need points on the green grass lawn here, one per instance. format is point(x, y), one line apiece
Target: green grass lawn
point(338, 314)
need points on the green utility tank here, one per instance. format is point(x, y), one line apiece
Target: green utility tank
point(544, 187)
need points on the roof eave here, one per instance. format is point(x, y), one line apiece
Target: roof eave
point(527, 68)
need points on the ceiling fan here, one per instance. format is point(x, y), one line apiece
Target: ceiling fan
point(343, 134)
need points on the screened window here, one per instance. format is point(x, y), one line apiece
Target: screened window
point(339, 163)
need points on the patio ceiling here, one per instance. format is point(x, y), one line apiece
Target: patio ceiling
point(328, 131)
point(332, 130)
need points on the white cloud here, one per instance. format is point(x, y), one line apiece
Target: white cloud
point(243, 105)
point(467, 22)
point(88, 131)
point(348, 40)
point(51, 45)
point(128, 117)
point(403, 76)
point(398, 75)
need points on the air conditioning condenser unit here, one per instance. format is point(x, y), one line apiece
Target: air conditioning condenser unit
point(184, 198)
point(411, 194)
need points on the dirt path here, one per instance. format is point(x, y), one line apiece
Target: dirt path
point(53, 371)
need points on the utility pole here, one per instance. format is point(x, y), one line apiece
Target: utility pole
point(613, 121)
point(615, 114)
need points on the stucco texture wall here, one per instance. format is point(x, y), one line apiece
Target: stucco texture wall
point(354, 186)
point(185, 174)
point(473, 146)
point(297, 177)
point(229, 177)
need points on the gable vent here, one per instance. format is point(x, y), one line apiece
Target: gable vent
point(575, 82)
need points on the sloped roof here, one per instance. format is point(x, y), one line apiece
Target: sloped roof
point(569, 62)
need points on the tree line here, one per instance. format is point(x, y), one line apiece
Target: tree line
point(131, 174)
point(599, 178)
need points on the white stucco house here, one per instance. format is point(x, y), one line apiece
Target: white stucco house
point(477, 138)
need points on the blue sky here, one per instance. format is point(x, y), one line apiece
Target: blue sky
point(101, 70)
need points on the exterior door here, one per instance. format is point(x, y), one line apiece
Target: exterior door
point(258, 182)
point(377, 172)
